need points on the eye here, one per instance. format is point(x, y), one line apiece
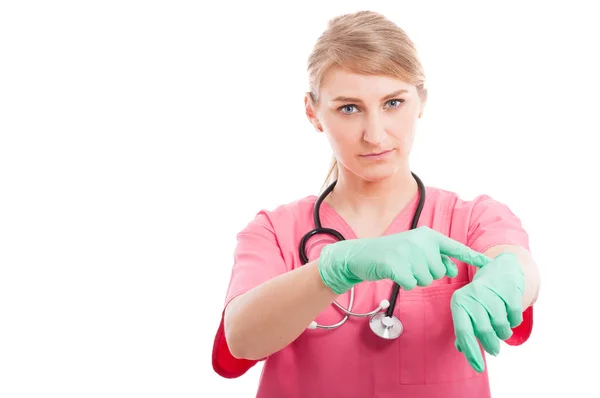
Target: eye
point(347, 109)
point(395, 103)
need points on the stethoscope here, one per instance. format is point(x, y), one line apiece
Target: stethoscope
point(384, 324)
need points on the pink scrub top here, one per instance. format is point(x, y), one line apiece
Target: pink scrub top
point(352, 361)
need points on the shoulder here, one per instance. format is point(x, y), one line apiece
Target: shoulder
point(465, 206)
point(464, 214)
point(284, 216)
point(278, 230)
point(482, 221)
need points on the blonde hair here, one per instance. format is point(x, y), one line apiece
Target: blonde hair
point(364, 42)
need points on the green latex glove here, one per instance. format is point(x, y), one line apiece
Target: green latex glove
point(488, 307)
point(410, 258)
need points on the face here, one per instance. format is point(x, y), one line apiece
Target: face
point(369, 121)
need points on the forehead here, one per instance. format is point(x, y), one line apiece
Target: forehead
point(341, 82)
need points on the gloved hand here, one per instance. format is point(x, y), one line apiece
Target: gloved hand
point(410, 258)
point(488, 307)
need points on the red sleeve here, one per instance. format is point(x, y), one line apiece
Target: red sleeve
point(493, 223)
point(257, 258)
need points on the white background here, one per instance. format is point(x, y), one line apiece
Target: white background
point(136, 139)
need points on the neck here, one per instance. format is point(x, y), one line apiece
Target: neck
point(374, 198)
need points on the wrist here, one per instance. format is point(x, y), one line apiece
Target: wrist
point(505, 267)
point(334, 273)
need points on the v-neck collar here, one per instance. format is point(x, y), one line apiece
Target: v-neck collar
point(330, 218)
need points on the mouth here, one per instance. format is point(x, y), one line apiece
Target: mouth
point(376, 154)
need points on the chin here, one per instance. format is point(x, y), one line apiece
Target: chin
point(378, 173)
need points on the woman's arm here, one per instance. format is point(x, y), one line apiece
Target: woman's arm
point(267, 318)
point(530, 269)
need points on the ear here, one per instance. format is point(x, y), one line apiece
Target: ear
point(423, 101)
point(311, 114)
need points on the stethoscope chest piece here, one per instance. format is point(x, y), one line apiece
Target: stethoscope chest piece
point(386, 327)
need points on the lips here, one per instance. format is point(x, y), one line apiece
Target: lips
point(374, 154)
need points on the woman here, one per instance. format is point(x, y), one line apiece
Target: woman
point(465, 273)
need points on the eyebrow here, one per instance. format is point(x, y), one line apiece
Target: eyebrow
point(352, 99)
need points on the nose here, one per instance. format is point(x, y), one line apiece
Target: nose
point(374, 132)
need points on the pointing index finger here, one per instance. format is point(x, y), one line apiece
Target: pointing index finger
point(453, 248)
